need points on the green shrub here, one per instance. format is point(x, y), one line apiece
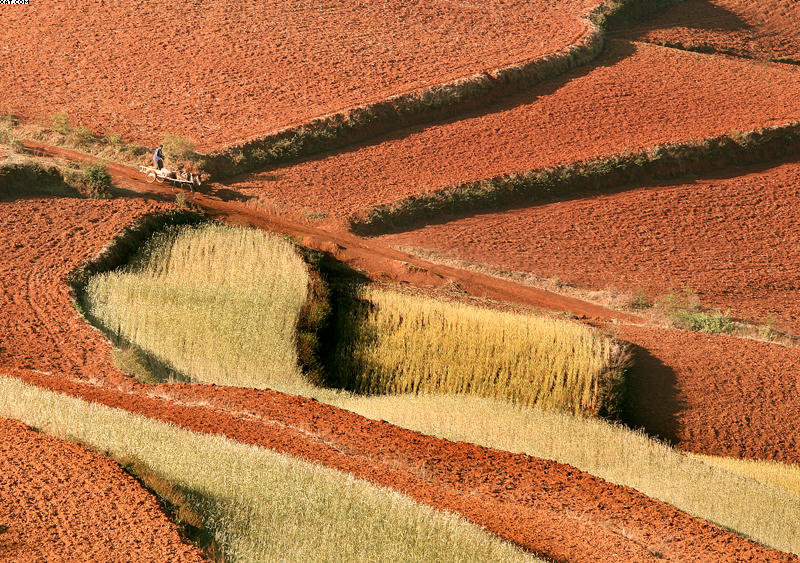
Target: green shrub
point(114, 139)
point(178, 148)
point(712, 322)
point(83, 136)
point(96, 181)
point(60, 122)
point(684, 310)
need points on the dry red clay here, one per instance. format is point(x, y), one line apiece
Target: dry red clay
point(60, 502)
point(713, 394)
point(754, 28)
point(733, 240)
point(222, 72)
point(637, 96)
point(544, 506)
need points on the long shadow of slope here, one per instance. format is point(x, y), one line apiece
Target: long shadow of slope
point(690, 14)
point(651, 399)
point(621, 50)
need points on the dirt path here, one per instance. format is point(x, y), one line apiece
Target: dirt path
point(547, 507)
point(60, 502)
point(697, 391)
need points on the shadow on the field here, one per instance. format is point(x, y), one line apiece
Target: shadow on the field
point(651, 400)
point(690, 14)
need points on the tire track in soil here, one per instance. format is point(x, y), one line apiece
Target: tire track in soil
point(529, 501)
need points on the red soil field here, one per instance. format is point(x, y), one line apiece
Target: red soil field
point(638, 95)
point(221, 72)
point(734, 241)
point(715, 394)
point(60, 502)
point(756, 28)
point(523, 499)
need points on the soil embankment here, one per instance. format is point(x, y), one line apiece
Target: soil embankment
point(762, 30)
point(731, 239)
point(637, 96)
point(219, 73)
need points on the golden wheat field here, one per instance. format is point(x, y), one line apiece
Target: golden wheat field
point(260, 505)
point(412, 339)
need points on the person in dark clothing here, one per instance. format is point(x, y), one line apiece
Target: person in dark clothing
point(158, 158)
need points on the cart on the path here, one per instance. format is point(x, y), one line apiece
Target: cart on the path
point(161, 175)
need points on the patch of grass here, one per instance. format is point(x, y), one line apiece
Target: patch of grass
point(783, 476)
point(60, 123)
point(712, 322)
point(83, 136)
point(246, 291)
point(216, 304)
point(178, 149)
point(610, 451)
point(260, 505)
point(756, 509)
point(393, 343)
point(685, 312)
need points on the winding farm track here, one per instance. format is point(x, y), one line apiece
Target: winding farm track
point(635, 96)
point(54, 495)
point(547, 507)
point(222, 72)
point(708, 394)
point(733, 239)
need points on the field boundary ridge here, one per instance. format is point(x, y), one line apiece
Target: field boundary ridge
point(356, 124)
point(659, 162)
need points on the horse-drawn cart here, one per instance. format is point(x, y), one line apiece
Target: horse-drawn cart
point(178, 179)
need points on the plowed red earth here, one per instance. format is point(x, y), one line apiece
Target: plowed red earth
point(60, 502)
point(638, 95)
point(544, 506)
point(715, 394)
point(221, 72)
point(734, 241)
point(756, 28)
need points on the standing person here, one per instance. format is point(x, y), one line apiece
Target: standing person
point(158, 158)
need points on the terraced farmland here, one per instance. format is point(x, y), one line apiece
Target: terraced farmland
point(221, 73)
point(637, 96)
point(489, 386)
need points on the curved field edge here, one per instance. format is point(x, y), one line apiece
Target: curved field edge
point(750, 504)
point(362, 122)
point(241, 289)
point(258, 504)
point(520, 189)
point(248, 292)
point(608, 451)
point(102, 513)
